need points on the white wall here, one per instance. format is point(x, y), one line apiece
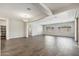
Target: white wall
point(3, 22)
point(15, 28)
point(36, 29)
point(59, 18)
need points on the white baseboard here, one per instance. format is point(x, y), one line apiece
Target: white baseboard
point(14, 38)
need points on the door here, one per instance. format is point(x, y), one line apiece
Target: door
point(3, 32)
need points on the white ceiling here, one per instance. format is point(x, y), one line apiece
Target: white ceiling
point(60, 7)
point(19, 10)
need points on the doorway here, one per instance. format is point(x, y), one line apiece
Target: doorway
point(77, 30)
point(2, 32)
point(30, 30)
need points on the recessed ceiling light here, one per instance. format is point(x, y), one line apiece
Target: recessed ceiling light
point(28, 16)
point(29, 9)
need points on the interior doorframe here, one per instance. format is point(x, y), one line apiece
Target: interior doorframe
point(76, 30)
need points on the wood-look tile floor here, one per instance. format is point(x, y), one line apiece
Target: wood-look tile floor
point(39, 46)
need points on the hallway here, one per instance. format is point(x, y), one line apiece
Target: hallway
point(40, 46)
